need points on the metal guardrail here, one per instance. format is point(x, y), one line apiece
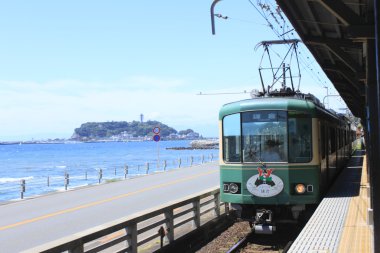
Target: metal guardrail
point(163, 224)
point(27, 187)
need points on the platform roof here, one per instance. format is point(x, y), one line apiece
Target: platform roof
point(336, 32)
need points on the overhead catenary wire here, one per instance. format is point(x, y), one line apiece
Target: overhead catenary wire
point(266, 7)
point(285, 63)
point(221, 16)
point(269, 10)
point(222, 93)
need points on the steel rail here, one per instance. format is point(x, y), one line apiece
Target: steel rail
point(239, 244)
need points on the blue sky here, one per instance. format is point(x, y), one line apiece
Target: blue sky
point(64, 63)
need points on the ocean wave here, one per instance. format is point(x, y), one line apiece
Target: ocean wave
point(4, 180)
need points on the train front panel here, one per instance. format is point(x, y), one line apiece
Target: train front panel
point(269, 153)
point(273, 185)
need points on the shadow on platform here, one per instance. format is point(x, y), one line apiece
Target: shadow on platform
point(347, 183)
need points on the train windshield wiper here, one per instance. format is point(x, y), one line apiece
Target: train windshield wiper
point(262, 163)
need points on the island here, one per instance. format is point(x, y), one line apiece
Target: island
point(122, 131)
point(129, 131)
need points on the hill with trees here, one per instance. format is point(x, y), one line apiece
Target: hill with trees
point(125, 130)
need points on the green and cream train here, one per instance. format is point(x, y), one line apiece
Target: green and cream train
point(279, 155)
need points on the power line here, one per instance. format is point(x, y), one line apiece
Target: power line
point(269, 11)
point(267, 7)
point(218, 15)
point(221, 93)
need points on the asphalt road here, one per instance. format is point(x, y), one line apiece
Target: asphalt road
point(31, 222)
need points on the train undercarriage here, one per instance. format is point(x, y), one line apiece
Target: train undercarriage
point(264, 219)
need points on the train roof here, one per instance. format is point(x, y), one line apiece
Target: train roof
point(305, 103)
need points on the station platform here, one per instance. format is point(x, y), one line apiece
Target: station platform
point(342, 221)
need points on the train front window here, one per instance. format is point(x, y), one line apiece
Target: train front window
point(264, 136)
point(231, 138)
point(300, 148)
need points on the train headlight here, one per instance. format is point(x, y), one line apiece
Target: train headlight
point(300, 188)
point(234, 188)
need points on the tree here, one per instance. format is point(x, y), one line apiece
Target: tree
point(96, 130)
point(185, 132)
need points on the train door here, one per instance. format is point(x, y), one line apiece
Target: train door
point(323, 156)
point(332, 153)
point(338, 149)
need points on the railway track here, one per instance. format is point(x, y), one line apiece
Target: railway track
point(239, 244)
point(239, 238)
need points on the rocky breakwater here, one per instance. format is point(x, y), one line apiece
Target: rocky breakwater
point(201, 144)
point(205, 144)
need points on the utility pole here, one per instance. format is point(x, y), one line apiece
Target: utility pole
point(213, 16)
point(327, 94)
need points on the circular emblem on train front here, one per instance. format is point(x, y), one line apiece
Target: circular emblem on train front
point(265, 184)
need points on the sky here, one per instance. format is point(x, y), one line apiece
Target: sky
point(64, 63)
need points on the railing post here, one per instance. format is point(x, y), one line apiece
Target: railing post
point(79, 248)
point(203, 159)
point(165, 165)
point(217, 203)
point(191, 161)
point(115, 171)
point(22, 188)
point(132, 241)
point(125, 171)
point(169, 216)
point(212, 157)
point(147, 168)
point(67, 180)
point(197, 213)
point(48, 181)
point(226, 208)
point(85, 175)
point(179, 162)
point(100, 175)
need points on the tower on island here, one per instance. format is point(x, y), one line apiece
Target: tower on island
point(141, 118)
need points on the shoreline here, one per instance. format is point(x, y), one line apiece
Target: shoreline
point(191, 148)
point(91, 141)
point(200, 144)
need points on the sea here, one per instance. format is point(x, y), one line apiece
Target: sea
point(47, 168)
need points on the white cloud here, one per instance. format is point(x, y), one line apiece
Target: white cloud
point(57, 108)
point(30, 109)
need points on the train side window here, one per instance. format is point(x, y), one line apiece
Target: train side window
point(300, 145)
point(338, 139)
point(345, 137)
point(323, 144)
point(231, 138)
point(333, 139)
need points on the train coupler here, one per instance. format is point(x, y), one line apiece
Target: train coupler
point(263, 216)
point(263, 222)
point(264, 229)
